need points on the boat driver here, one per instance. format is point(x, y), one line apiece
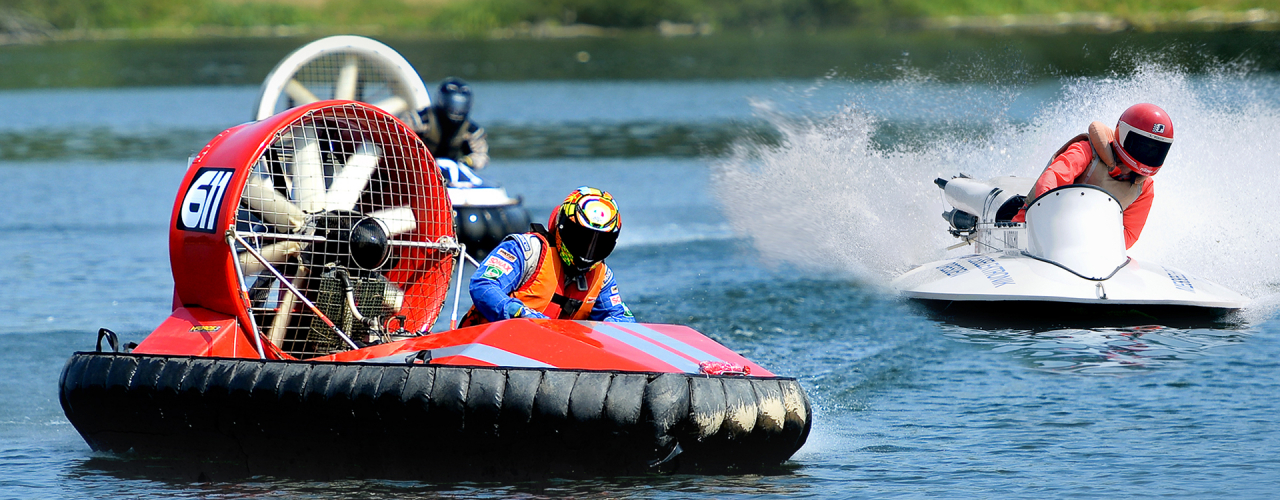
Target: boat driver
point(1140, 141)
point(554, 273)
point(446, 130)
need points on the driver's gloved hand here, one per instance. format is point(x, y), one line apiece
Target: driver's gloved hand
point(517, 310)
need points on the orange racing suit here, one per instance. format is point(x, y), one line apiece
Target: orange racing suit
point(1073, 167)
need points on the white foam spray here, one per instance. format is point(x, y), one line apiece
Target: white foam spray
point(828, 198)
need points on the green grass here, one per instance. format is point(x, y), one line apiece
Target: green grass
point(480, 17)
point(934, 8)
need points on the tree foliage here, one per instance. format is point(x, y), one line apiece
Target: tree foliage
point(481, 16)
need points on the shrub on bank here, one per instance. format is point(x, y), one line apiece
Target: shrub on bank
point(482, 17)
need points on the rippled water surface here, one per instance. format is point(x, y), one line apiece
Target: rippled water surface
point(774, 233)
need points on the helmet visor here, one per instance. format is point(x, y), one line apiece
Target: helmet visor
point(1146, 150)
point(588, 246)
point(457, 105)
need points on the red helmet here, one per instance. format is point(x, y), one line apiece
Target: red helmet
point(1143, 136)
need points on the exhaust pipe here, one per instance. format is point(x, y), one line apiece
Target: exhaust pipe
point(960, 220)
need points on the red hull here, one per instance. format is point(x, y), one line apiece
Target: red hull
point(517, 343)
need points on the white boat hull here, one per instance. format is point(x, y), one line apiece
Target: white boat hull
point(1071, 250)
point(991, 278)
point(481, 197)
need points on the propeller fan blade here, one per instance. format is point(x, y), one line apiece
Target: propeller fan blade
point(307, 170)
point(398, 220)
point(280, 324)
point(393, 105)
point(275, 253)
point(345, 87)
point(271, 207)
point(299, 93)
point(347, 186)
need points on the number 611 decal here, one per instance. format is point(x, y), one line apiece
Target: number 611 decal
point(203, 201)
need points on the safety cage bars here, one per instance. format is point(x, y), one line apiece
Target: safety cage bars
point(339, 239)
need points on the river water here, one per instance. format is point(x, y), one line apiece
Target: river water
point(768, 214)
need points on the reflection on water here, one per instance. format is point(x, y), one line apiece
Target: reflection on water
point(864, 54)
point(625, 140)
point(102, 143)
point(170, 477)
point(1101, 350)
point(523, 119)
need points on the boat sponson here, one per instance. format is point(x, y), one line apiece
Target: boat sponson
point(402, 420)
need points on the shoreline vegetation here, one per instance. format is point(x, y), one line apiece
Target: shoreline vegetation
point(36, 21)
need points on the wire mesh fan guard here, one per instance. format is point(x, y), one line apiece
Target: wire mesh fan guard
point(335, 171)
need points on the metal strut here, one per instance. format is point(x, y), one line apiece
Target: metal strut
point(463, 257)
point(244, 294)
point(285, 282)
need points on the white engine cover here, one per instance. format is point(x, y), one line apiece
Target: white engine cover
point(1079, 227)
point(466, 189)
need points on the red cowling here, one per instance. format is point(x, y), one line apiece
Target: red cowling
point(203, 262)
point(566, 345)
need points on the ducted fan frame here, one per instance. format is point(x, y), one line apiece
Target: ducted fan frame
point(323, 228)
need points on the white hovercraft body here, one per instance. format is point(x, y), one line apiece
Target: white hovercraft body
point(469, 190)
point(1070, 250)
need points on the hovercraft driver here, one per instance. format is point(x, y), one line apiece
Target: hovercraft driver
point(558, 273)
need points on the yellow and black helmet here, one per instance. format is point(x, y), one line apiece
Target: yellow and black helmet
point(586, 227)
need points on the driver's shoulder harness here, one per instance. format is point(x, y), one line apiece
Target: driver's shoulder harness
point(1097, 173)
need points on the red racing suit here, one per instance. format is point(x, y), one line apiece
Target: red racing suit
point(1073, 166)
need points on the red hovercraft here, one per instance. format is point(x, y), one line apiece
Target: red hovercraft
point(311, 255)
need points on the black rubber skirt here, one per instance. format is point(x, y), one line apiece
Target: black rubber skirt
point(407, 420)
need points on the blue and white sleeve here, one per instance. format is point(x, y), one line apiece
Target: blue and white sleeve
point(609, 306)
point(498, 275)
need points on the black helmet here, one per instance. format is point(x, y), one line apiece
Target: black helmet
point(586, 228)
point(455, 99)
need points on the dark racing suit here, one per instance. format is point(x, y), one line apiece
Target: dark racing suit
point(463, 142)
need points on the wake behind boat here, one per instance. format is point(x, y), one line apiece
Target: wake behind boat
point(1068, 259)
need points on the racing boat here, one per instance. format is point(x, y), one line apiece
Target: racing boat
point(1067, 259)
point(484, 213)
point(348, 67)
point(311, 256)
